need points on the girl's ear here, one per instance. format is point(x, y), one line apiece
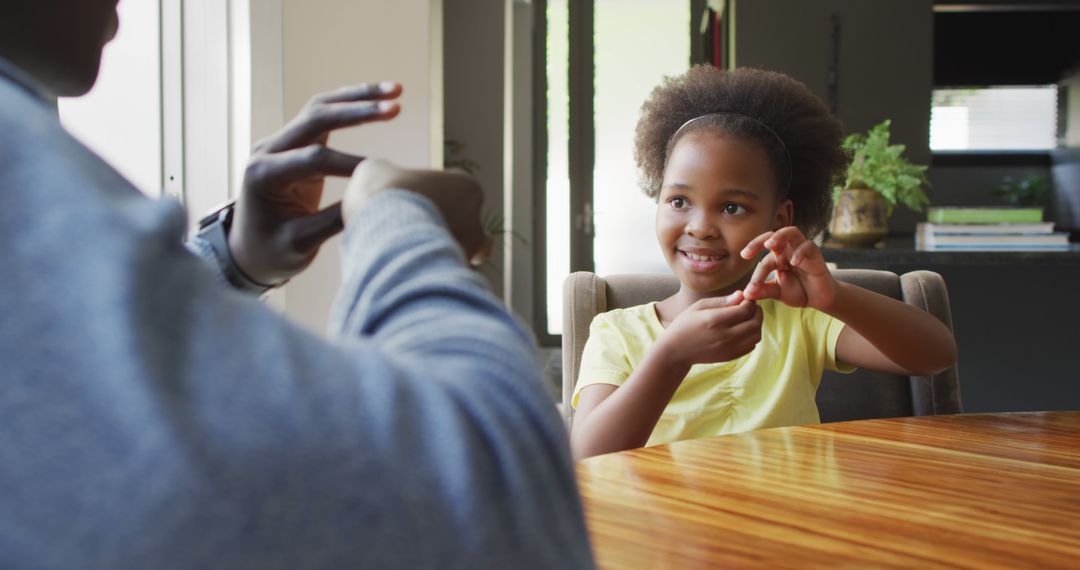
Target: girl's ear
point(785, 215)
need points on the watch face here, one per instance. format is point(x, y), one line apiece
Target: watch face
point(222, 212)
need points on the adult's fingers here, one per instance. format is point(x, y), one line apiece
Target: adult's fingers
point(474, 239)
point(316, 121)
point(483, 252)
point(361, 92)
point(309, 232)
point(313, 161)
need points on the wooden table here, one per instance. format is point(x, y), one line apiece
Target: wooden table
point(968, 491)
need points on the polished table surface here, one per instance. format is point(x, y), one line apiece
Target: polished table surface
point(964, 491)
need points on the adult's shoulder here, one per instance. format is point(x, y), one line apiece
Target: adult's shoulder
point(24, 114)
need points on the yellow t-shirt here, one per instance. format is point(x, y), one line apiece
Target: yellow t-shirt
point(771, 386)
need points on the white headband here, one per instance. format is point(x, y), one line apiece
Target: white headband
point(787, 154)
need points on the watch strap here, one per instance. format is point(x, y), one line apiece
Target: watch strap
point(214, 230)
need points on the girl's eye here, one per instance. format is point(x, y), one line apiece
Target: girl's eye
point(734, 209)
point(678, 202)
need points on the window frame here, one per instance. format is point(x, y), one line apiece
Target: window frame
point(581, 144)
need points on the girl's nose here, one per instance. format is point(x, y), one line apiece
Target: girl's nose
point(701, 226)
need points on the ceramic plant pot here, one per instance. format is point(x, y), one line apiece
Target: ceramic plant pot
point(860, 218)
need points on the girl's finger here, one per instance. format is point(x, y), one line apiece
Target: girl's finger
point(766, 290)
point(793, 290)
point(755, 246)
point(756, 287)
point(763, 269)
point(807, 252)
point(784, 256)
point(789, 234)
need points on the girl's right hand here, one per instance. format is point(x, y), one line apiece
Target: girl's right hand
point(716, 329)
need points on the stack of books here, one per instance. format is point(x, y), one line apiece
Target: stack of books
point(988, 229)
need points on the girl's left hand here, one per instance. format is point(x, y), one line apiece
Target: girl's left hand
point(802, 278)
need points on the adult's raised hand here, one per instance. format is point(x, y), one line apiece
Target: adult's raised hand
point(277, 226)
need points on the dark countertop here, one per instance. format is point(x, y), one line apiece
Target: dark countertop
point(900, 250)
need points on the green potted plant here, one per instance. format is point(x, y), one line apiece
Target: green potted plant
point(877, 179)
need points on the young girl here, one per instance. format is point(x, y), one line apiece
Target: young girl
point(740, 162)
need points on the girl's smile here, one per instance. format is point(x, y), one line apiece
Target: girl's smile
point(701, 260)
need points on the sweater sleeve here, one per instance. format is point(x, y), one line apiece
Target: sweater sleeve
point(213, 248)
point(481, 413)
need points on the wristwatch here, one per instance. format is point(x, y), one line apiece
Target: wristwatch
point(214, 230)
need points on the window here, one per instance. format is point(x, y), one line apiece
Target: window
point(603, 59)
point(994, 118)
point(627, 69)
point(171, 108)
point(557, 263)
point(120, 119)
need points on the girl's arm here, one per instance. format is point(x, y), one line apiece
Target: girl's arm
point(887, 335)
point(613, 418)
point(882, 334)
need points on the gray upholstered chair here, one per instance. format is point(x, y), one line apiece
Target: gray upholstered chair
point(840, 397)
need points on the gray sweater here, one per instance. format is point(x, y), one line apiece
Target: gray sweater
point(152, 418)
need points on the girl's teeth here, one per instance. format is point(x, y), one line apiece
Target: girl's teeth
point(696, 257)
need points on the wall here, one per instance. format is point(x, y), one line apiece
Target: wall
point(885, 71)
point(884, 62)
point(519, 257)
point(120, 118)
point(885, 58)
point(456, 66)
point(489, 109)
point(475, 83)
point(329, 43)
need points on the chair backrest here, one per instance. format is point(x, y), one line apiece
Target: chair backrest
point(840, 397)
